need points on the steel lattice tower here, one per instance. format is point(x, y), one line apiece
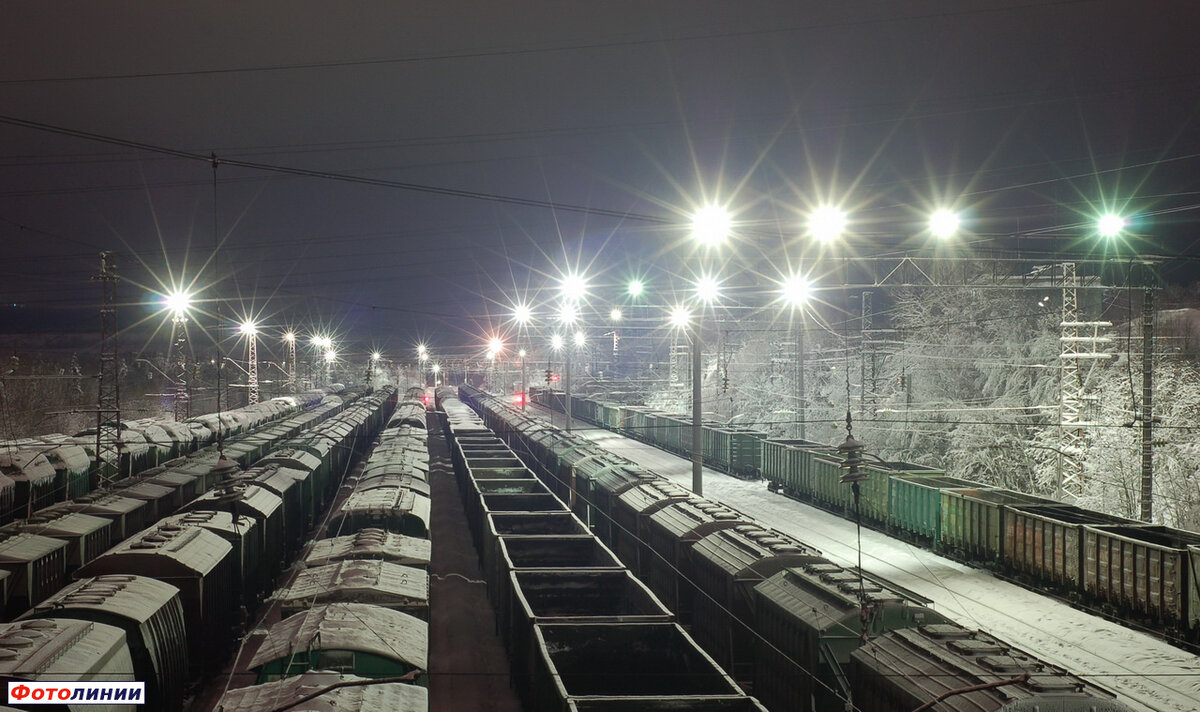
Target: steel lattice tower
point(252, 368)
point(108, 404)
point(1076, 348)
point(291, 379)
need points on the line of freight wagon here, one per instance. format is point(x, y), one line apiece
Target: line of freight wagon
point(1143, 575)
point(38, 552)
point(164, 605)
point(794, 629)
point(349, 630)
point(37, 472)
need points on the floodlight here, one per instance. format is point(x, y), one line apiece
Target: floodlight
point(1110, 225)
point(943, 224)
point(708, 289)
point(567, 314)
point(796, 290)
point(178, 303)
point(573, 287)
point(826, 223)
point(710, 225)
point(681, 316)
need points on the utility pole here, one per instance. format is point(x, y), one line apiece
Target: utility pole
point(108, 404)
point(567, 385)
point(801, 406)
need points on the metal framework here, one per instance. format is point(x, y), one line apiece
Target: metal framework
point(291, 379)
point(108, 403)
point(177, 363)
point(252, 368)
point(1078, 345)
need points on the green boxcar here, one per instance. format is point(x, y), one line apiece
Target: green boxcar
point(973, 521)
point(915, 505)
point(655, 431)
point(609, 415)
point(784, 461)
point(746, 451)
point(637, 422)
point(824, 475)
point(677, 433)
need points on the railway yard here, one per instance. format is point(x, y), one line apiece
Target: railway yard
point(386, 550)
point(1147, 672)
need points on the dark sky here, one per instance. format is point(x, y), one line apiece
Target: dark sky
point(501, 144)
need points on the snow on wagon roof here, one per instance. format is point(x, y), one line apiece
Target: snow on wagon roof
point(62, 647)
point(134, 597)
point(271, 696)
point(348, 626)
point(169, 552)
point(379, 582)
point(370, 543)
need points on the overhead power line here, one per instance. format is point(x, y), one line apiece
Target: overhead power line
point(342, 177)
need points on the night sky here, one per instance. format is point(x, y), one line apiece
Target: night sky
point(400, 172)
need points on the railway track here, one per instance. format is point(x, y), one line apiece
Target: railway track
point(1145, 672)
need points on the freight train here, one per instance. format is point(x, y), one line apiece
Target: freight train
point(1146, 576)
point(163, 605)
point(40, 471)
point(796, 630)
point(352, 630)
point(583, 633)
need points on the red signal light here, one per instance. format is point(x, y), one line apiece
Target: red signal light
point(554, 378)
point(518, 398)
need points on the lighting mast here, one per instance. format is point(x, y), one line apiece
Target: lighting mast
point(290, 338)
point(251, 332)
point(108, 405)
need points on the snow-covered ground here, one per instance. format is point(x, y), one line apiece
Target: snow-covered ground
point(1146, 673)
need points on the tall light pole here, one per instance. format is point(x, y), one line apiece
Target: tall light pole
point(374, 359)
point(179, 303)
point(330, 357)
point(522, 314)
point(290, 338)
point(568, 314)
point(322, 345)
point(435, 368)
point(796, 291)
point(711, 226)
point(681, 318)
point(556, 345)
point(524, 380)
point(250, 330)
